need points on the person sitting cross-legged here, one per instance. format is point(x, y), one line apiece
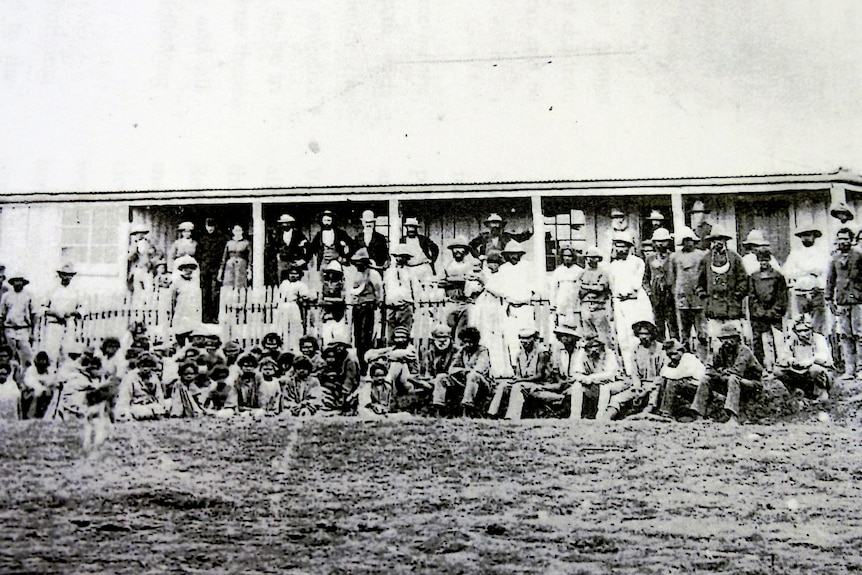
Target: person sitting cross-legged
point(400, 359)
point(221, 398)
point(533, 368)
point(301, 392)
point(375, 392)
point(732, 370)
point(469, 374)
point(805, 365)
point(598, 369)
point(649, 359)
point(682, 371)
point(140, 393)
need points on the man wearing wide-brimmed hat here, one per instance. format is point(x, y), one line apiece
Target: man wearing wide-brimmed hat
point(701, 227)
point(287, 248)
point(366, 295)
point(62, 312)
point(806, 363)
point(141, 258)
point(331, 243)
point(425, 252)
point(844, 296)
point(18, 316)
point(685, 271)
point(372, 240)
point(805, 273)
point(658, 278)
point(643, 391)
point(496, 237)
point(723, 283)
point(399, 292)
point(457, 272)
point(754, 242)
point(630, 302)
point(594, 293)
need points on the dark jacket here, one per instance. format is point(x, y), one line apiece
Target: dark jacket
point(479, 244)
point(768, 299)
point(844, 278)
point(741, 363)
point(343, 245)
point(723, 293)
point(378, 248)
point(279, 256)
point(429, 248)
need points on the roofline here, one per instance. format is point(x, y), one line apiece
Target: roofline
point(840, 176)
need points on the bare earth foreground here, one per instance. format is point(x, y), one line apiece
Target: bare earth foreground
point(428, 496)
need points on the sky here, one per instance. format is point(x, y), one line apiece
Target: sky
point(150, 95)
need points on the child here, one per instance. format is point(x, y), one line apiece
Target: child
point(302, 394)
point(186, 299)
point(375, 393)
point(268, 388)
point(141, 395)
point(37, 387)
point(222, 399)
point(247, 380)
point(293, 295)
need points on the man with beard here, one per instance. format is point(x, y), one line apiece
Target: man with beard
point(330, 243)
point(532, 368)
point(682, 370)
point(723, 284)
point(733, 371)
point(684, 275)
point(400, 360)
point(372, 240)
point(455, 276)
point(140, 394)
point(424, 252)
point(805, 365)
point(366, 295)
point(649, 359)
point(468, 375)
point(806, 277)
point(289, 248)
point(657, 281)
point(597, 369)
point(209, 254)
point(339, 379)
point(496, 238)
point(844, 297)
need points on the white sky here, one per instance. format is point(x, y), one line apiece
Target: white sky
point(164, 94)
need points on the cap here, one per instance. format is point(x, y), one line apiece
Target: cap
point(655, 215)
point(528, 332)
point(593, 252)
point(334, 266)
point(568, 330)
point(617, 213)
point(360, 255)
point(729, 330)
point(286, 219)
point(67, 269)
point(185, 262)
point(411, 222)
point(644, 324)
point(494, 218)
point(755, 238)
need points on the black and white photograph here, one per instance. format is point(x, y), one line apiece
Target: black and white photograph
point(431, 287)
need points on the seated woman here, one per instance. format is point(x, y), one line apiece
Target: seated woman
point(301, 393)
point(184, 392)
point(220, 398)
point(141, 395)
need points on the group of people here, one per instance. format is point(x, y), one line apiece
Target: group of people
point(658, 334)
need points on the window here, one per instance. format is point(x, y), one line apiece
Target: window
point(89, 237)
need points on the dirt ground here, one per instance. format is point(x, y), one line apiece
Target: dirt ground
point(433, 496)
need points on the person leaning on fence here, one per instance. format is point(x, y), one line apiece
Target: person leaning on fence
point(140, 395)
point(805, 364)
point(454, 283)
point(844, 297)
point(302, 394)
point(767, 304)
point(733, 370)
point(18, 316)
point(62, 312)
point(399, 292)
point(532, 369)
point(469, 376)
point(339, 378)
point(649, 359)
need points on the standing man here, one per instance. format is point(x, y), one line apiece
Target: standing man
point(63, 311)
point(767, 304)
point(209, 250)
point(805, 273)
point(496, 238)
point(594, 292)
point(564, 288)
point(844, 297)
point(17, 316)
point(398, 291)
point(657, 281)
point(754, 242)
point(330, 243)
point(366, 295)
point(723, 283)
point(289, 248)
point(630, 301)
point(424, 251)
point(372, 240)
point(684, 275)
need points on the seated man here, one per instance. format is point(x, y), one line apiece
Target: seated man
point(400, 360)
point(469, 371)
point(220, 399)
point(339, 379)
point(681, 370)
point(598, 368)
point(805, 365)
point(140, 394)
point(649, 359)
point(533, 366)
point(732, 369)
point(438, 359)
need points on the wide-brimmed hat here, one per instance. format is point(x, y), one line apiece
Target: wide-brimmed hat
point(67, 269)
point(460, 241)
point(494, 218)
point(334, 266)
point(285, 219)
point(840, 207)
point(494, 256)
point(528, 332)
point(729, 330)
point(401, 250)
point(686, 233)
point(360, 255)
point(411, 222)
point(617, 213)
point(644, 324)
point(185, 262)
point(718, 233)
point(623, 237)
point(594, 252)
point(655, 215)
point(17, 278)
point(139, 228)
point(661, 235)
point(808, 230)
point(329, 213)
point(513, 247)
point(698, 207)
point(186, 227)
point(755, 238)
point(368, 216)
point(568, 330)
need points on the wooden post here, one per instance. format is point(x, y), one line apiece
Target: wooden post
point(540, 256)
point(394, 222)
point(258, 239)
point(678, 210)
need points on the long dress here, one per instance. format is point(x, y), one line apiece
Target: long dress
point(234, 264)
point(290, 297)
point(186, 305)
point(488, 318)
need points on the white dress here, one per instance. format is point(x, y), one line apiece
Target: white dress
point(290, 320)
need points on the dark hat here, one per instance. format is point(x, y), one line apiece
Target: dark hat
point(644, 324)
